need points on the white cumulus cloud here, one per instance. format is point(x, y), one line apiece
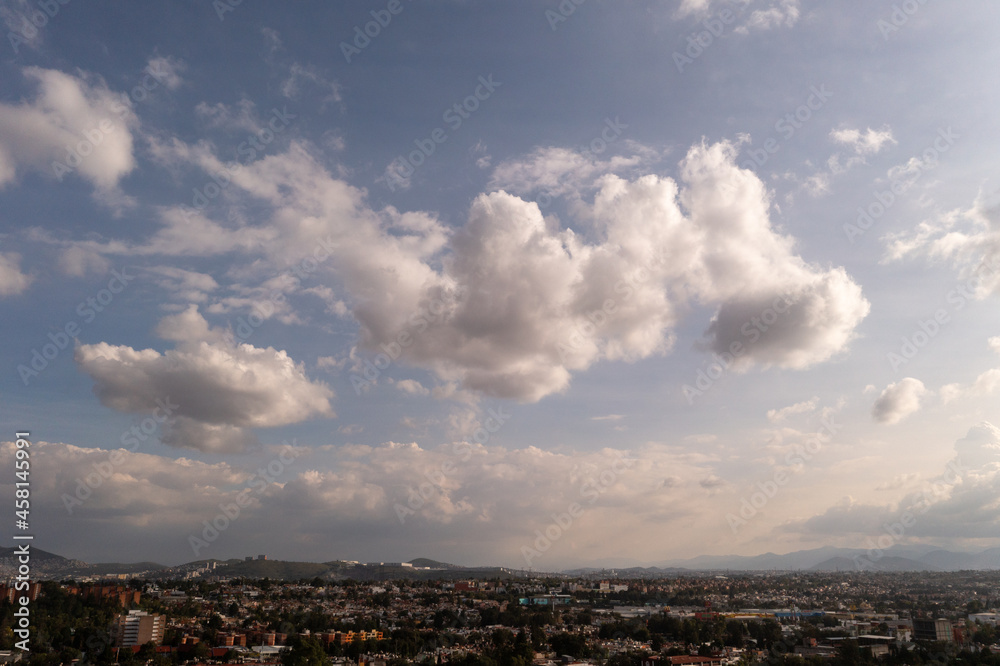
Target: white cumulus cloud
point(511, 303)
point(76, 111)
point(220, 390)
point(898, 401)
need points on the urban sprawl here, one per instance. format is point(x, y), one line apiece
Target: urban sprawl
point(394, 617)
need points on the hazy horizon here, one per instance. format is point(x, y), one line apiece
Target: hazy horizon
point(530, 284)
point(873, 558)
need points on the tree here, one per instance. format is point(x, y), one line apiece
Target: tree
point(538, 638)
point(985, 634)
point(146, 652)
point(200, 650)
point(623, 659)
point(305, 651)
point(574, 645)
point(849, 654)
point(770, 633)
point(734, 633)
point(689, 632)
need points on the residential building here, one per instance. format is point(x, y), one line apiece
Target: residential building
point(932, 630)
point(9, 592)
point(139, 628)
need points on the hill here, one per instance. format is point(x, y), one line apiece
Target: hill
point(895, 558)
point(432, 564)
point(37, 555)
point(863, 563)
point(275, 569)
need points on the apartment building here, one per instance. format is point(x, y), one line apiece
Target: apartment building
point(139, 628)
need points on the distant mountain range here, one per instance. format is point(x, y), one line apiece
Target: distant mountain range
point(828, 558)
point(47, 565)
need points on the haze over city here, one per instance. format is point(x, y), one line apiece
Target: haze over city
point(529, 284)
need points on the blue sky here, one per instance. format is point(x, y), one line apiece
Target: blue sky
point(555, 222)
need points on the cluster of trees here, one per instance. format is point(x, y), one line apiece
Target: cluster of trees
point(503, 648)
point(63, 626)
point(849, 653)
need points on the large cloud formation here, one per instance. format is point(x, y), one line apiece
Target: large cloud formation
point(511, 303)
point(534, 302)
point(477, 504)
point(961, 503)
point(216, 390)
